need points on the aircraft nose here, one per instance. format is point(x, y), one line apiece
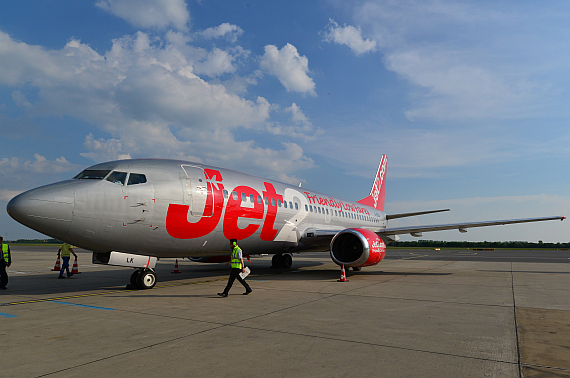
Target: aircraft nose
point(47, 209)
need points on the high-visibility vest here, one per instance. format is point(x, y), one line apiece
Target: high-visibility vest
point(65, 250)
point(5, 253)
point(235, 260)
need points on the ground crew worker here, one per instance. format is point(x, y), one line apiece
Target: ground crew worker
point(5, 261)
point(236, 261)
point(66, 251)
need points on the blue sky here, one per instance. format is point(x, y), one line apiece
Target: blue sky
point(469, 100)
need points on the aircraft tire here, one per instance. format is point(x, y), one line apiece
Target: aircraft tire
point(146, 279)
point(286, 261)
point(277, 261)
point(134, 277)
point(356, 268)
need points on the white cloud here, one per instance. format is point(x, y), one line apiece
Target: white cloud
point(225, 30)
point(146, 93)
point(349, 36)
point(218, 62)
point(20, 99)
point(290, 68)
point(460, 61)
point(298, 126)
point(12, 166)
point(7, 195)
point(149, 13)
point(101, 149)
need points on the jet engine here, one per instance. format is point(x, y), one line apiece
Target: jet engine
point(357, 247)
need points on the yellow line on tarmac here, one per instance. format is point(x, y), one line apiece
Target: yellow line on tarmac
point(104, 293)
point(60, 298)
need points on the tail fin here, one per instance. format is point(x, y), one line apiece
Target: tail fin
point(376, 197)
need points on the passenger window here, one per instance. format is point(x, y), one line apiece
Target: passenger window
point(252, 198)
point(225, 193)
point(279, 203)
point(290, 204)
point(306, 208)
point(272, 201)
point(266, 200)
point(243, 197)
point(311, 208)
point(136, 178)
point(235, 196)
point(259, 200)
point(319, 210)
point(117, 178)
point(92, 174)
point(327, 211)
point(297, 206)
point(285, 204)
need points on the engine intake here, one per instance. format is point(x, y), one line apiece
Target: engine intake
point(357, 247)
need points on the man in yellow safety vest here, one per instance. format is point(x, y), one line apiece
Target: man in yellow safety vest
point(66, 252)
point(236, 261)
point(5, 261)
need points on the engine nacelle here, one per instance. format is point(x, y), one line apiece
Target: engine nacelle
point(210, 259)
point(357, 247)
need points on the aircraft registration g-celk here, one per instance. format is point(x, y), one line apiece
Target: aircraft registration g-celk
point(131, 212)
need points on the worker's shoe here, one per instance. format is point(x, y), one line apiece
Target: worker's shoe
point(60, 277)
point(223, 295)
point(70, 274)
point(247, 292)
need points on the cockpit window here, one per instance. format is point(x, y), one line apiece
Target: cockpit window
point(92, 174)
point(117, 177)
point(136, 178)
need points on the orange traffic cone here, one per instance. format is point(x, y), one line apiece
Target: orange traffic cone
point(57, 266)
point(75, 269)
point(342, 275)
point(176, 267)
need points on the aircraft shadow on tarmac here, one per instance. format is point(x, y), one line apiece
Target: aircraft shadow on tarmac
point(30, 287)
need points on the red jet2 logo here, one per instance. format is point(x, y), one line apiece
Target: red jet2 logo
point(178, 227)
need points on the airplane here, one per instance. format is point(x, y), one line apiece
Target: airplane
point(133, 212)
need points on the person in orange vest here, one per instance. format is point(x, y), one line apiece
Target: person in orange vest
point(65, 250)
point(236, 261)
point(5, 261)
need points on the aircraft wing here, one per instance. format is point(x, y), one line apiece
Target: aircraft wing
point(404, 215)
point(462, 227)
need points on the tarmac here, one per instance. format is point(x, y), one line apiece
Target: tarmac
point(416, 314)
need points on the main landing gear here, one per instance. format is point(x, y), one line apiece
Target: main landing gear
point(282, 261)
point(142, 279)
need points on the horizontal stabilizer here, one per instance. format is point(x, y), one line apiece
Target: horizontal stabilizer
point(404, 215)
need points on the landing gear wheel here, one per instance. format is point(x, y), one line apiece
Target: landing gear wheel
point(287, 261)
point(146, 279)
point(277, 261)
point(134, 276)
point(356, 268)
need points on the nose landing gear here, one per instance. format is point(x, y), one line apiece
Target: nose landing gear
point(142, 279)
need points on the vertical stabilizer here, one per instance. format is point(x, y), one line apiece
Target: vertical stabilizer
point(376, 197)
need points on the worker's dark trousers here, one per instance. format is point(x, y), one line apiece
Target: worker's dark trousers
point(233, 275)
point(65, 266)
point(3, 274)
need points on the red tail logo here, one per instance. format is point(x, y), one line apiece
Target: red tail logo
point(376, 197)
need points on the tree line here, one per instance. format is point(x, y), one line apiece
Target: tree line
point(483, 244)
